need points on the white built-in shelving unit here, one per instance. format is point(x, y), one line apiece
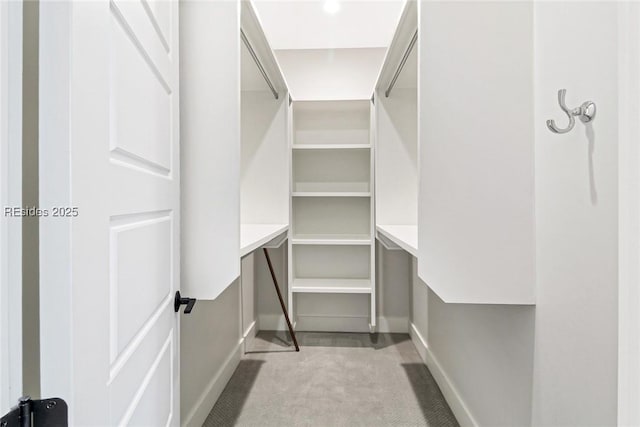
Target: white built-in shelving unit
point(397, 139)
point(264, 148)
point(331, 247)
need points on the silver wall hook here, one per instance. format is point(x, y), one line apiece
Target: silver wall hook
point(586, 112)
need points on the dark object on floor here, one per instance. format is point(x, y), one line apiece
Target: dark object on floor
point(282, 306)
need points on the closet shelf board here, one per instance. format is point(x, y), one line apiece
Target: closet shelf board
point(332, 286)
point(405, 236)
point(331, 194)
point(254, 236)
point(330, 146)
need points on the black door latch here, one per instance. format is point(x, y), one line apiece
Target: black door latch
point(37, 413)
point(179, 300)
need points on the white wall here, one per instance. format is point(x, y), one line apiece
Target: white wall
point(556, 363)
point(209, 146)
point(629, 225)
point(397, 156)
point(264, 172)
point(321, 74)
point(476, 203)
point(575, 377)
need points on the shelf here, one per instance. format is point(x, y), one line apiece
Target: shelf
point(331, 216)
point(330, 146)
point(254, 236)
point(326, 187)
point(332, 286)
point(331, 194)
point(331, 136)
point(331, 239)
point(404, 236)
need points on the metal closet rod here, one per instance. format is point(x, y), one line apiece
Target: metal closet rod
point(258, 63)
point(401, 65)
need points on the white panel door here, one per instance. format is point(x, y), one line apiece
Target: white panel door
point(10, 196)
point(109, 146)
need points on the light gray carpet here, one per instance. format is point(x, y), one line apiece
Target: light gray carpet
point(337, 379)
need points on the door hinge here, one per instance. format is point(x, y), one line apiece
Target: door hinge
point(37, 413)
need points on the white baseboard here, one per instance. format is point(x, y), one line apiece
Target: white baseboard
point(275, 322)
point(450, 393)
point(249, 335)
point(208, 398)
point(419, 342)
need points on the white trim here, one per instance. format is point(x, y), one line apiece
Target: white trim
point(629, 216)
point(198, 414)
point(418, 341)
point(451, 394)
point(10, 195)
point(319, 323)
point(249, 334)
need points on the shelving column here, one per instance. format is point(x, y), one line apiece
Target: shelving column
point(332, 234)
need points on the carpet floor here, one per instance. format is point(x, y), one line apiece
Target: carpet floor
point(337, 379)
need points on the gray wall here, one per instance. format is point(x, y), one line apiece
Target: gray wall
point(393, 278)
point(247, 284)
point(209, 337)
point(211, 341)
point(267, 305)
point(485, 351)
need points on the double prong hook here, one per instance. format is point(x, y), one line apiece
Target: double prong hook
point(586, 112)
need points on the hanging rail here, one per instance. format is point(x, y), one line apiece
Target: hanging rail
point(401, 65)
point(258, 63)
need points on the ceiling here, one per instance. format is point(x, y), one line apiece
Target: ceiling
point(304, 24)
point(324, 74)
